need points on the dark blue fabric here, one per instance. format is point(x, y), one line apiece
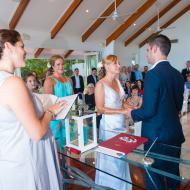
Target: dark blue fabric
point(90, 79)
point(132, 77)
point(170, 167)
point(162, 102)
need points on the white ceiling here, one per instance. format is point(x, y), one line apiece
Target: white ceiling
point(40, 16)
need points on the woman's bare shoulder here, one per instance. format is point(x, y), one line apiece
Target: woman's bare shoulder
point(12, 81)
point(50, 80)
point(13, 86)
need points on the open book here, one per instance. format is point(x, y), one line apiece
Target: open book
point(49, 100)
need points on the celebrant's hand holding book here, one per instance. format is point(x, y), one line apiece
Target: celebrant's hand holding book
point(55, 109)
point(51, 100)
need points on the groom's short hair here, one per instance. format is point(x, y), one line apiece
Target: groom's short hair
point(163, 42)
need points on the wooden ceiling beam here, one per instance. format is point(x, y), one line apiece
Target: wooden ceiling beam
point(140, 11)
point(68, 53)
point(151, 21)
point(18, 13)
point(172, 20)
point(99, 21)
point(38, 52)
point(61, 22)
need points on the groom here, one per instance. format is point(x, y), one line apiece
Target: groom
point(162, 102)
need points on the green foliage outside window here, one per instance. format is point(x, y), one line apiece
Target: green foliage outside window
point(37, 65)
point(40, 67)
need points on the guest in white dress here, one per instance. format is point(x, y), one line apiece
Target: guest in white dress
point(109, 96)
point(28, 159)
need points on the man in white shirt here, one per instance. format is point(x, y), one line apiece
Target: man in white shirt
point(78, 82)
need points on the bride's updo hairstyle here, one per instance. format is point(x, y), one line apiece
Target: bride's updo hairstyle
point(11, 36)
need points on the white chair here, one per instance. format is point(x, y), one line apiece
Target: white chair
point(185, 101)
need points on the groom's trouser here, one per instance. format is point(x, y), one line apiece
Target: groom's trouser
point(156, 181)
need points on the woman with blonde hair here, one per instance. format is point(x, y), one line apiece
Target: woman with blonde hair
point(89, 97)
point(28, 155)
point(109, 96)
point(58, 85)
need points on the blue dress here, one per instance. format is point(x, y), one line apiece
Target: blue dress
point(60, 89)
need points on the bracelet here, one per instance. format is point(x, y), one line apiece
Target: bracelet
point(51, 112)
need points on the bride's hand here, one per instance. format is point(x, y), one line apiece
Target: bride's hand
point(56, 108)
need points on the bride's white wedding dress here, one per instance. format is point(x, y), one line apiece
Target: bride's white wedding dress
point(108, 124)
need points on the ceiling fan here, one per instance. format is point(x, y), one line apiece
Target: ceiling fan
point(115, 15)
point(158, 28)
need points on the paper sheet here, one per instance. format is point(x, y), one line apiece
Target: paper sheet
point(49, 100)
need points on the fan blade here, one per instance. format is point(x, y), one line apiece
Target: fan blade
point(168, 28)
point(113, 16)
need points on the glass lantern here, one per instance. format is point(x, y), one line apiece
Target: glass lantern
point(81, 132)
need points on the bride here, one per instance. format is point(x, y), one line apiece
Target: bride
point(109, 96)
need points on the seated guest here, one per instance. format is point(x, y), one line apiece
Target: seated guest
point(140, 85)
point(78, 82)
point(138, 74)
point(134, 101)
point(128, 88)
point(187, 83)
point(31, 82)
point(185, 72)
point(93, 77)
point(89, 97)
